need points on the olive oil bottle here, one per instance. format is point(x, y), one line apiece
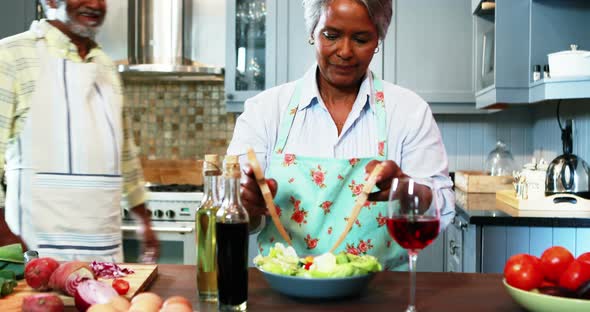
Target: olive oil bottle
point(205, 230)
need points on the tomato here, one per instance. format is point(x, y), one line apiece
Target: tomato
point(554, 261)
point(121, 286)
point(584, 257)
point(577, 273)
point(523, 271)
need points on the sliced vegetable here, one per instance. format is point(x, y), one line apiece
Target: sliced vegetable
point(121, 286)
point(109, 270)
point(12, 253)
point(43, 303)
point(91, 292)
point(68, 275)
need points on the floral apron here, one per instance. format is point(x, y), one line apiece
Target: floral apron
point(316, 196)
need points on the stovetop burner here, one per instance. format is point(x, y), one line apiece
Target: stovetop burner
point(175, 188)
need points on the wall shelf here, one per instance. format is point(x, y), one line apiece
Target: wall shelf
point(559, 88)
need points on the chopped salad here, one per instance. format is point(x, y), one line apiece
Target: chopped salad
point(285, 261)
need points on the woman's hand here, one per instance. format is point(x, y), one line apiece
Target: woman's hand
point(390, 171)
point(252, 196)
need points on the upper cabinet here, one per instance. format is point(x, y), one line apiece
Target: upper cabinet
point(516, 36)
point(429, 50)
point(251, 50)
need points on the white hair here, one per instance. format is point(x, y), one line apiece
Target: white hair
point(380, 12)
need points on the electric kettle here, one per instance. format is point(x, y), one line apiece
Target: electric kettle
point(568, 173)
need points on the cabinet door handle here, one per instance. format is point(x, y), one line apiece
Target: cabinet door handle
point(229, 96)
point(453, 247)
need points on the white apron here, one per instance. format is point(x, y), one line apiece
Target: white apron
point(63, 170)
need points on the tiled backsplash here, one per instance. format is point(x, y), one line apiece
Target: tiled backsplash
point(178, 119)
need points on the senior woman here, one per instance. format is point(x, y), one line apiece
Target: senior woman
point(318, 136)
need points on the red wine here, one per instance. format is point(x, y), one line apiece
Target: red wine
point(415, 233)
point(232, 263)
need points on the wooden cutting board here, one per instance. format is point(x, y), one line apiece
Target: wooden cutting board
point(139, 281)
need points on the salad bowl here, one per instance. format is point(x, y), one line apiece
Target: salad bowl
point(318, 288)
point(536, 302)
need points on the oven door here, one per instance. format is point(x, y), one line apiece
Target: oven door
point(177, 242)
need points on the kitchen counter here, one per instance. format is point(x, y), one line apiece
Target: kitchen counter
point(484, 209)
point(387, 292)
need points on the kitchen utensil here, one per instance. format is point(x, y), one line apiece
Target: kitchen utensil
point(537, 302)
point(569, 63)
point(266, 193)
point(318, 288)
point(499, 161)
point(568, 173)
point(360, 201)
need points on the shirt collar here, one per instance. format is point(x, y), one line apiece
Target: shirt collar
point(61, 42)
point(310, 93)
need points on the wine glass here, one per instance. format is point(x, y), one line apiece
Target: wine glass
point(413, 220)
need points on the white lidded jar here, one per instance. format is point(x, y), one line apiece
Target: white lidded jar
point(571, 63)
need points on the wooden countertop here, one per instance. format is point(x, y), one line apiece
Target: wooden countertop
point(387, 292)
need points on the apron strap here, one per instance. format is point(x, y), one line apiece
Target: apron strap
point(378, 99)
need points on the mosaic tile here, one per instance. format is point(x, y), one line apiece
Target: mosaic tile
point(178, 119)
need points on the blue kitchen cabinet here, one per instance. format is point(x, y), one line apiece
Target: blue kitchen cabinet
point(251, 50)
point(501, 242)
point(429, 49)
point(486, 248)
point(16, 16)
point(517, 35)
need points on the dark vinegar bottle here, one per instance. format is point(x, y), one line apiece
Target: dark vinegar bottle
point(231, 227)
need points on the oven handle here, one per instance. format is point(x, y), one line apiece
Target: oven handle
point(161, 229)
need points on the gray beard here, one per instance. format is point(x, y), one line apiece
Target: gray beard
point(76, 28)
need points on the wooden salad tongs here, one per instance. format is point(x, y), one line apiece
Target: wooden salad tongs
point(267, 195)
point(359, 203)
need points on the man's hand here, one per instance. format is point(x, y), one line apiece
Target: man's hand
point(150, 244)
point(390, 171)
point(252, 196)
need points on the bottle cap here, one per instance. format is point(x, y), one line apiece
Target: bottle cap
point(231, 159)
point(211, 164)
point(232, 166)
point(546, 67)
point(537, 68)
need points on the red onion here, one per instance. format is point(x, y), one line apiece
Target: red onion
point(93, 292)
point(109, 270)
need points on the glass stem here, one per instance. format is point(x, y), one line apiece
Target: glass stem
point(412, 257)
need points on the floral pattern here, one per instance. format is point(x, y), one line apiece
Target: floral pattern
point(381, 148)
point(326, 206)
point(380, 97)
point(289, 160)
point(353, 161)
point(381, 220)
point(361, 248)
point(356, 189)
point(291, 180)
point(330, 229)
point(340, 177)
point(311, 242)
point(318, 176)
point(299, 214)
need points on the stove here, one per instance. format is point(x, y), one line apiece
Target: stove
point(172, 208)
point(171, 202)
